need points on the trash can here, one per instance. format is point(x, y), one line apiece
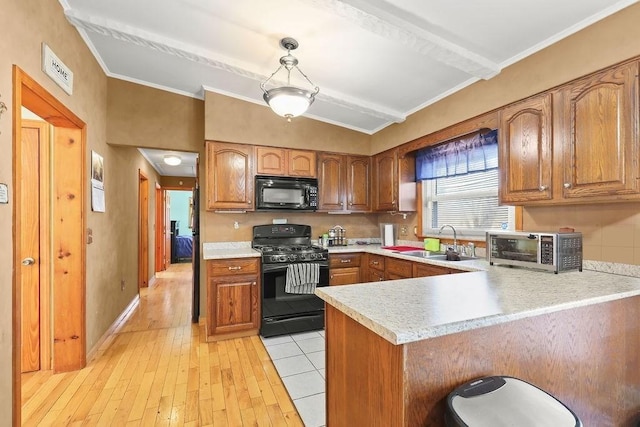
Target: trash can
point(506, 401)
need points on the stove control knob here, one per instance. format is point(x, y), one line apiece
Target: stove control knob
point(312, 256)
point(282, 258)
point(292, 257)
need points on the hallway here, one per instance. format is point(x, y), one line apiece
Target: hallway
point(155, 370)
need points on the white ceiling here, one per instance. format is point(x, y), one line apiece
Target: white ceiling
point(156, 157)
point(375, 61)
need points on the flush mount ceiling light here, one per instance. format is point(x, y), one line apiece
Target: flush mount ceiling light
point(172, 160)
point(289, 101)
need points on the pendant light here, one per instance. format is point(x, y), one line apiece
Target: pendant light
point(289, 101)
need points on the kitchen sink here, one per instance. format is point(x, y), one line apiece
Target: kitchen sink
point(439, 256)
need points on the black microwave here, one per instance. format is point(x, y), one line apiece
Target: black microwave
point(286, 193)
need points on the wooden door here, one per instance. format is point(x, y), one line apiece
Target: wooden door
point(358, 179)
point(526, 151)
point(385, 181)
point(600, 127)
point(159, 231)
point(167, 229)
point(271, 161)
point(302, 163)
point(330, 182)
point(33, 159)
point(143, 231)
point(229, 176)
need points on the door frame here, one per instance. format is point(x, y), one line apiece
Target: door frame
point(67, 270)
point(143, 230)
point(159, 232)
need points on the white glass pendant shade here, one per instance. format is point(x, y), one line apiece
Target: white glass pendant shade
point(288, 101)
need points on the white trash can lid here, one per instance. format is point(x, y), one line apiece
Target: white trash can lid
point(507, 401)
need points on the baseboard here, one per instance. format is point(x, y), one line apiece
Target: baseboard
point(115, 326)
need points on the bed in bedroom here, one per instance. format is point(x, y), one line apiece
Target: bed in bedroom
point(182, 249)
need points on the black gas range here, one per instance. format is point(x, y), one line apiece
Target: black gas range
point(283, 245)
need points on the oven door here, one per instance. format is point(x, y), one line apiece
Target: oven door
point(516, 249)
point(284, 313)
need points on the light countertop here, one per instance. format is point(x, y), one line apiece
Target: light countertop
point(421, 308)
point(225, 250)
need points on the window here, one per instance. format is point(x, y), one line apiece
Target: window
point(460, 185)
point(468, 202)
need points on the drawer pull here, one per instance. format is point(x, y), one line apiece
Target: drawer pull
point(375, 262)
point(345, 261)
point(235, 268)
point(253, 283)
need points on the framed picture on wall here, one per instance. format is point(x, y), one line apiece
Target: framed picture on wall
point(97, 182)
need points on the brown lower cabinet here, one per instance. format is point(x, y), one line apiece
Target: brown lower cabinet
point(424, 270)
point(344, 269)
point(233, 295)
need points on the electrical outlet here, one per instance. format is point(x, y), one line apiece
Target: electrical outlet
point(122, 283)
point(403, 230)
point(236, 225)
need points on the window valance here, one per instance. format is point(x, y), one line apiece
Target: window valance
point(475, 153)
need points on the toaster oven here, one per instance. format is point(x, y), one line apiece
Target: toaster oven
point(545, 251)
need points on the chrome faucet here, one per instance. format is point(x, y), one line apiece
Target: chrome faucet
point(455, 237)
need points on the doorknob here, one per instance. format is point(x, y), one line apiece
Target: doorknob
point(28, 261)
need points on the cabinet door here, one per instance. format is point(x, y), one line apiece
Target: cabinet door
point(425, 270)
point(376, 276)
point(358, 179)
point(229, 176)
point(330, 173)
point(302, 163)
point(271, 161)
point(344, 276)
point(600, 128)
point(233, 304)
point(385, 181)
point(397, 268)
point(526, 151)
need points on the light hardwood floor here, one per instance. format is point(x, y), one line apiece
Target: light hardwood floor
point(156, 369)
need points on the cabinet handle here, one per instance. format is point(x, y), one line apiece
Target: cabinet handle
point(253, 283)
point(341, 204)
point(234, 268)
point(567, 185)
point(332, 276)
point(543, 187)
point(374, 262)
point(249, 202)
point(351, 203)
point(344, 261)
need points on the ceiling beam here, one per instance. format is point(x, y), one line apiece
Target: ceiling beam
point(382, 18)
point(129, 34)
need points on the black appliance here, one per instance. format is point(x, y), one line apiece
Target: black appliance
point(286, 193)
point(195, 257)
point(175, 231)
point(282, 312)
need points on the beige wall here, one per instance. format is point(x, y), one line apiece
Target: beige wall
point(113, 255)
point(140, 116)
point(611, 232)
point(232, 120)
point(605, 43)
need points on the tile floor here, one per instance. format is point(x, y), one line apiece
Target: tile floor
point(299, 359)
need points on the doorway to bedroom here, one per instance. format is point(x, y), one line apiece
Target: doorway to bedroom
point(180, 203)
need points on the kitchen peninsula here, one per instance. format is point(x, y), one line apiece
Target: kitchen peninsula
point(395, 349)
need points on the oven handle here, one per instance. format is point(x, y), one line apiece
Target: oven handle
point(267, 268)
point(291, 317)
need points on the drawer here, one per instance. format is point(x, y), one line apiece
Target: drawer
point(225, 267)
point(376, 262)
point(344, 260)
point(424, 270)
point(398, 268)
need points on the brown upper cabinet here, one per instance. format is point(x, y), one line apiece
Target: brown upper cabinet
point(229, 172)
point(343, 181)
point(525, 150)
point(576, 144)
point(393, 182)
point(286, 162)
